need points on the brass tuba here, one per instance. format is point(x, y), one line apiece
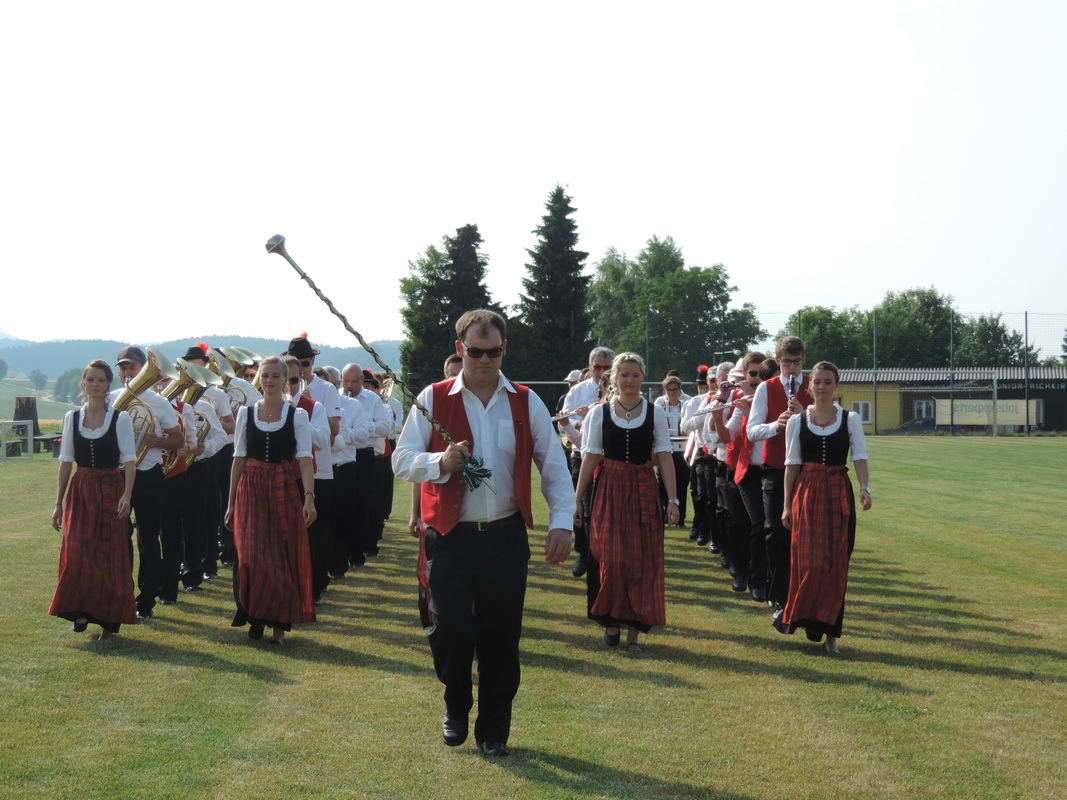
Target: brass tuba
point(203, 428)
point(220, 365)
point(189, 376)
point(144, 421)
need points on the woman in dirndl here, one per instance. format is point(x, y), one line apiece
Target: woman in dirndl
point(95, 573)
point(269, 519)
point(820, 509)
point(621, 440)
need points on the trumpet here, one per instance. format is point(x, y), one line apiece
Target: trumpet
point(190, 376)
point(144, 421)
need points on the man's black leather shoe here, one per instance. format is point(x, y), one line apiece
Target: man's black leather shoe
point(580, 566)
point(494, 749)
point(453, 731)
point(759, 595)
point(740, 583)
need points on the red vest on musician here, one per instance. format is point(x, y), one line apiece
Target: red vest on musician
point(308, 405)
point(734, 445)
point(442, 503)
point(777, 404)
point(744, 452)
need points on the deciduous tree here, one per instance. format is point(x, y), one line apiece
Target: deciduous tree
point(914, 328)
point(986, 342)
point(38, 379)
point(832, 335)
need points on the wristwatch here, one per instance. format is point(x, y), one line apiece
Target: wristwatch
point(673, 501)
point(866, 489)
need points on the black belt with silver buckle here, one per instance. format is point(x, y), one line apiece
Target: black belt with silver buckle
point(493, 525)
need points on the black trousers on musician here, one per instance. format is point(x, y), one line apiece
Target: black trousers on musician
point(477, 582)
point(147, 502)
point(777, 538)
point(751, 490)
point(199, 524)
point(703, 490)
point(364, 534)
point(321, 535)
point(345, 510)
point(723, 517)
point(581, 535)
point(681, 485)
point(172, 533)
point(221, 545)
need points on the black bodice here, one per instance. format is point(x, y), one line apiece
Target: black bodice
point(831, 450)
point(272, 447)
point(633, 445)
point(102, 453)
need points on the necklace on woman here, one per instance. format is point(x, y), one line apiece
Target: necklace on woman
point(827, 424)
point(629, 411)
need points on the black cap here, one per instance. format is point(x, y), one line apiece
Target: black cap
point(133, 354)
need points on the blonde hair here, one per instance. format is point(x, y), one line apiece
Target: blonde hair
point(626, 358)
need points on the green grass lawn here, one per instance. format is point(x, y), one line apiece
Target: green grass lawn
point(952, 681)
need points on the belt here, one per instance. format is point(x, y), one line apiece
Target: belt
point(492, 525)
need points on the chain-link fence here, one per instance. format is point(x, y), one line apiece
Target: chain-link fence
point(904, 369)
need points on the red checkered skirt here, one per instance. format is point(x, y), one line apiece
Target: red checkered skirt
point(95, 574)
point(273, 558)
point(823, 519)
point(626, 540)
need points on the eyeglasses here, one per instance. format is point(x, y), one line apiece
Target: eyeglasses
point(754, 374)
point(791, 362)
point(477, 352)
point(294, 381)
point(307, 362)
point(600, 367)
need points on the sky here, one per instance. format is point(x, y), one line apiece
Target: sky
point(822, 153)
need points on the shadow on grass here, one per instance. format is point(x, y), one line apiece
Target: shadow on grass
point(154, 652)
point(581, 777)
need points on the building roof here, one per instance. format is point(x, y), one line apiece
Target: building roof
point(959, 375)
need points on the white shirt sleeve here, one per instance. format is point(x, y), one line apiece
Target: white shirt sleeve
point(661, 432)
point(412, 460)
point(551, 461)
point(240, 447)
point(759, 427)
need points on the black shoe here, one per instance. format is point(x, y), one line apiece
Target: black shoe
point(373, 552)
point(759, 594)
point(580, 566)
point(255, 632)
point(317, 599)
point(79, 627)
point(693, 534)
point(146, 614)
point(166, 601)
point(715, 548)
point(612, 639)
point(210, 576)
point(336, 576)
point(733, 569)
point(196, 588)
point(494, 749)
point(703, 539)
point(726, 562)
point(740, 583)
point(813, 636)
point(454, 730)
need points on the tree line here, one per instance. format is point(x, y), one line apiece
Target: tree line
point(675, 314)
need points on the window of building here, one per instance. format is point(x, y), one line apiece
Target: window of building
point(863, 408)
point(924, 409)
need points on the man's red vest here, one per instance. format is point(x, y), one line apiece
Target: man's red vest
point(442, 503)
point(777, 403)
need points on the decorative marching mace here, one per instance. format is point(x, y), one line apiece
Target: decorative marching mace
point(475, 473)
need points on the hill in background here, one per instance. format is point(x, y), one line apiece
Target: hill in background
point(55, 358)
